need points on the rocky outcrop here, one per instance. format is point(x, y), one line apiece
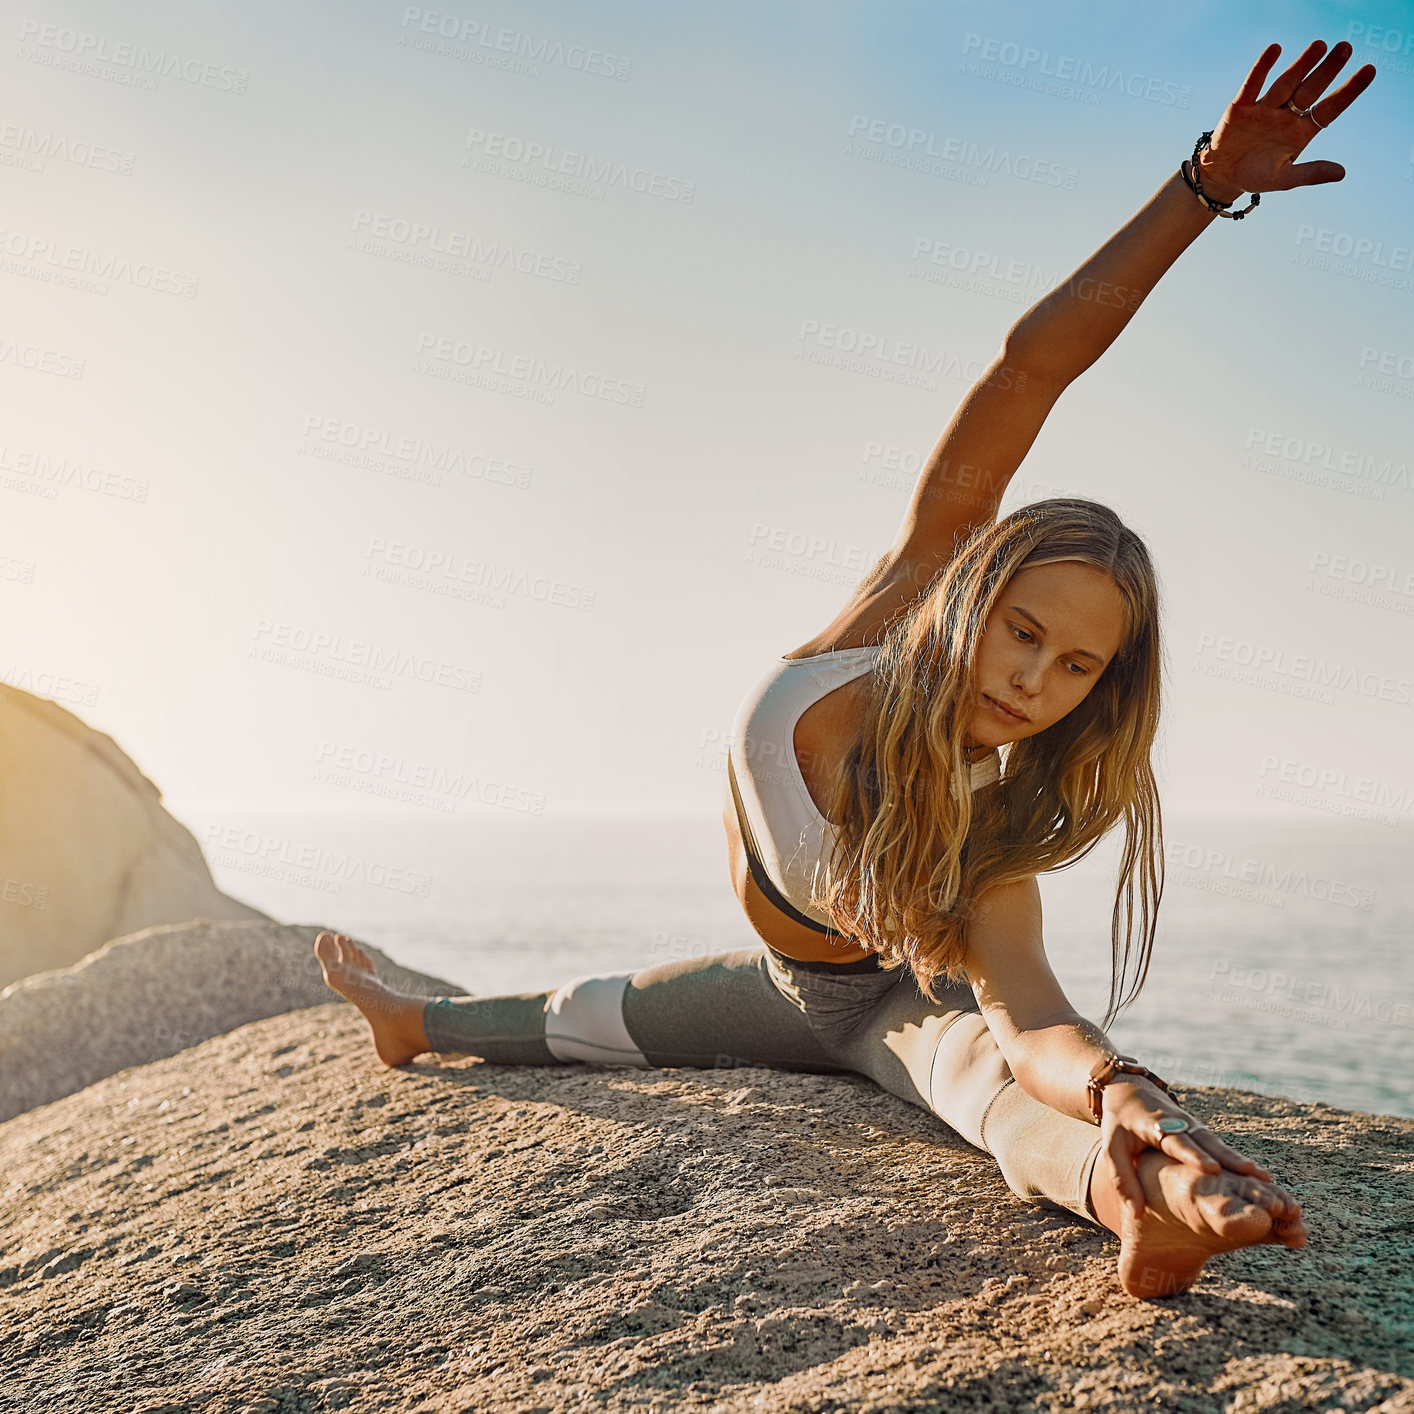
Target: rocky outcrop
point(271, 1220)
point(87, 851)
point(143, 997)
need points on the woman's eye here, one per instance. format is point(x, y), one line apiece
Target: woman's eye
point(1081, 669)
point(1021, 634)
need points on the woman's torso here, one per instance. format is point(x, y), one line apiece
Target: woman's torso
point(823, 735)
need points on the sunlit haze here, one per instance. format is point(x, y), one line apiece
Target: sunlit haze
point(455, 412)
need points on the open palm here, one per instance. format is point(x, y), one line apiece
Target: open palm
point(1258, 138)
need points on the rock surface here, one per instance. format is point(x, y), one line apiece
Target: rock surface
point(272, 1221)
point(150, 995)
point(89, 853)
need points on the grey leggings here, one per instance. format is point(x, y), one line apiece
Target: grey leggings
point(758, 1007)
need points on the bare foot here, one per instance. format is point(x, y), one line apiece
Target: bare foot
point(396, 1019)
point(1189, 1216)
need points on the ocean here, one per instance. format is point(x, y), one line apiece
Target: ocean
point(1282, 963)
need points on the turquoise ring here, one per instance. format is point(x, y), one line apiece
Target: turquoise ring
point(1172, 1124)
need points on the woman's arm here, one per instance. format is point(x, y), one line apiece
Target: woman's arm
point(1252, 150)
point(961, 485)
point(1061, 335)
point(1050, 346)
point(1051, 1049)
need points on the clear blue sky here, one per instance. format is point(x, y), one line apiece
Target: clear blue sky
point(261, 538)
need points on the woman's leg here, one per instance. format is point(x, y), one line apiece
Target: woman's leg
point(755, 1007)
point(942, 1057)
point(723, 1010)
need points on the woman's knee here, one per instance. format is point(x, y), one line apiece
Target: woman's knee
point(584, 1021)
point(967, 1074)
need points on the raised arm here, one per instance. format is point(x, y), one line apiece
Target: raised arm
point(1252, 149)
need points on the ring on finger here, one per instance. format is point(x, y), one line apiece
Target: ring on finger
point(1177, 1124)
point(1303, 112)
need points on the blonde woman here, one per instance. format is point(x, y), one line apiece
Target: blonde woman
point(886, 851)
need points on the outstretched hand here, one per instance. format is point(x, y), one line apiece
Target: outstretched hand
point(1129, 1125)
point(1257, 139)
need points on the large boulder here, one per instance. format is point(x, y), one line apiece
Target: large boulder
point(160, 991)
point(87, 851)
point(273, 1220)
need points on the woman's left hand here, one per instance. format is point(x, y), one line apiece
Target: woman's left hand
point(1257, 138)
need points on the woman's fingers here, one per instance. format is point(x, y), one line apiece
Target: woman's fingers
point(1139, 1130)
point(1186, 1148)
point(1336, 103)
point(1304, 83)
point(1314, 174)
point(1240, 1164)
point(1237, 1163)
point(1308, 93)
point(1198, 1145)
point(1257, 76)
point(1290, 79)
point(1123, 1148)
point(1228, 1157)
point(1318, 80)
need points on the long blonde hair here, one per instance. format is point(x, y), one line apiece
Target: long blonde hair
point(911, 857)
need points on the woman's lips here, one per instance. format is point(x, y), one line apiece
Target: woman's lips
point(1003, 711)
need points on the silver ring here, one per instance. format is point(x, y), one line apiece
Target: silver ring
point(1304, 112)
point(1174, 1124)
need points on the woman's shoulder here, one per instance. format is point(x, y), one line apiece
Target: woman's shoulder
point(817, 648)
point(889, 591)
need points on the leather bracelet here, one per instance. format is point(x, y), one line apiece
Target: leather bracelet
point(1106, 1069)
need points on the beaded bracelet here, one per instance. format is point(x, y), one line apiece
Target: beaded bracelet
point(1195, 184)
point(1106, 1069)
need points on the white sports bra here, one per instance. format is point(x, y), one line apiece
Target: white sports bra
point(793, 837)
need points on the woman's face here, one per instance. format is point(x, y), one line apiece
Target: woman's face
point(1052, 633)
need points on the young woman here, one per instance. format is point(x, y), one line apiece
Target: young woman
point(887, 855)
